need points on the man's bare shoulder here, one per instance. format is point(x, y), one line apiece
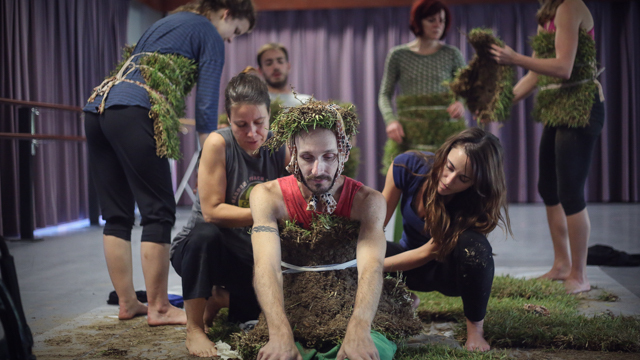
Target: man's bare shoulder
point(267, 198)
point(266, 202)
point(269, 189)
point(367, 204)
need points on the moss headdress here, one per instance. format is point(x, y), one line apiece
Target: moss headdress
point(486, 86)
point(307, 117)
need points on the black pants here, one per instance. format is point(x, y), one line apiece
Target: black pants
point(467, 272)
point(125, 168)
point(565, 159)
point(205, 258)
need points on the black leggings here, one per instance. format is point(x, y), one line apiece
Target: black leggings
point(125, 168)
point(467, 272)
point(206, 257)
point(565, 158)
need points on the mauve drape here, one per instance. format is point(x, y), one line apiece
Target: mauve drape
point(339, 54)
point(335, 54)
point(54, 52)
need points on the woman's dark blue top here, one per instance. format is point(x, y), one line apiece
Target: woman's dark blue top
point(405, 166)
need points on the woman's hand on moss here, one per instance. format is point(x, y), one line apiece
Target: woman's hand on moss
point(395, 131)
point(503, 55)
point(456, 110)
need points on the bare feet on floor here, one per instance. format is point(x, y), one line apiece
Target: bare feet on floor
point(199, 344)
point(477, 344)
point(574, 286)
point(169, 315)
point(129, 311)
point(475, 337)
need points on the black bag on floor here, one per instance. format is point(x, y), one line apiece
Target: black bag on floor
point(608, 256)
point(113, 297)
point(17, 340)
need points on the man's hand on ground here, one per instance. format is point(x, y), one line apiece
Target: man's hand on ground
point(358, 347)
point(279, 350)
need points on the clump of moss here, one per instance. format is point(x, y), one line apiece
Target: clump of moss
point(571, 105)
point(222, 329)
point(509, 324)
point(486, 86)
point(426, 124)
point(312, 115)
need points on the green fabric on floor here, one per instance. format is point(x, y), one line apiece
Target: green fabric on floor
point(386, 349)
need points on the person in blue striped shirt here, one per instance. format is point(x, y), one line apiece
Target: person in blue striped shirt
point(131, 123)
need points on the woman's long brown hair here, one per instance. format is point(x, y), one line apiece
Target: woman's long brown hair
point(547, 10)
point(479, 207)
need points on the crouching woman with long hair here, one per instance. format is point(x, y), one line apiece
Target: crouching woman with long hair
point(449, 202)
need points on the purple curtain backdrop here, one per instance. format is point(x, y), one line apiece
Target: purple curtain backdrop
point(339, 54)
point(335, 54)
point(53, 52)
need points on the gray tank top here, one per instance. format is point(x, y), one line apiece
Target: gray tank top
point(244, 172)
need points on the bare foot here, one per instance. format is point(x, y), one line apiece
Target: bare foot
point(475, 336)
point(556, 274)
point(574, 286)
point(129, 311)
point(477, 343)
point(199, 344)
point(169, 315)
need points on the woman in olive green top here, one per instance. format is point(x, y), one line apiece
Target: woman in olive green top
point(420, 66)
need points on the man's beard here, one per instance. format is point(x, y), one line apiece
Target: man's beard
point(277, 84)
point(321, 190)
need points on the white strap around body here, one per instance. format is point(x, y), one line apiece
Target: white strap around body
point(425, 107)
point(566, 85)
point(293, 269)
